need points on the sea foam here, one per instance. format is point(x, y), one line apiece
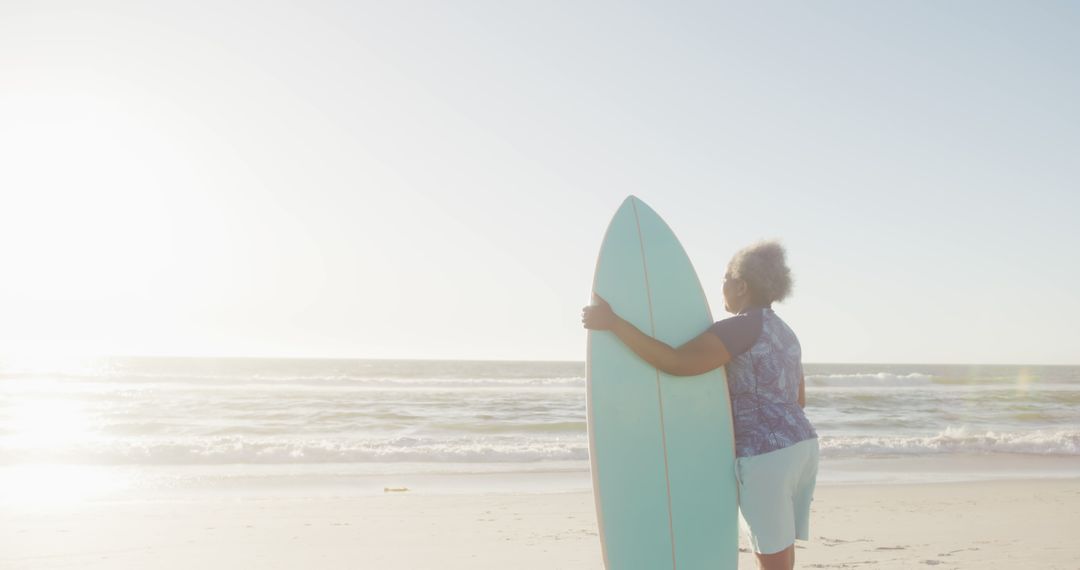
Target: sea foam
point(956, 440)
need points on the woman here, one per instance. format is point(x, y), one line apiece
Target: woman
point(776, 447)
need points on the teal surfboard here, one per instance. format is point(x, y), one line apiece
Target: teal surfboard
point(661, 447)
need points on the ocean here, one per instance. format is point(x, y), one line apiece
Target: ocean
point(166, 426)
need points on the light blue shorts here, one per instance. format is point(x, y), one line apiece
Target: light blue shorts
point(775, 491)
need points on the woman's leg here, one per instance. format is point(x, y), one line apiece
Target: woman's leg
point(783, 560)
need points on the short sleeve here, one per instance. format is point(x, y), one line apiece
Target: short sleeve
point(740, 332)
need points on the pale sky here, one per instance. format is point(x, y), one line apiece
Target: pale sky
point(433, 179)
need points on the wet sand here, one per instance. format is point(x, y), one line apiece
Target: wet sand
point(998, 524)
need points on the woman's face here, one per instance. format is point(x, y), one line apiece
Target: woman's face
point(736, 293)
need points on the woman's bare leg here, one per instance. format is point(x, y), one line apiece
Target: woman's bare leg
point(783, 560)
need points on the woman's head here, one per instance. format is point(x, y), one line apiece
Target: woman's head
point(757, 275)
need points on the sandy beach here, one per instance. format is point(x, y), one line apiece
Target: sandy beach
point(1000, 524)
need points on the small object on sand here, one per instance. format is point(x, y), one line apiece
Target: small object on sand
point(394, 489)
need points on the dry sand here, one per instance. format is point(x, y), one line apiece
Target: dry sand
point(1006, 524)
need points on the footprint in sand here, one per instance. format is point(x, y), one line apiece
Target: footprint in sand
point(826, 541)
point(951, 552)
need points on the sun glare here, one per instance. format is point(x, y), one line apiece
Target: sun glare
point(1023, 381)
point(52, 360)
point(41, 425)
point(38, 429)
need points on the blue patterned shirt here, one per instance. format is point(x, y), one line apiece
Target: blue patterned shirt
point(763, 379)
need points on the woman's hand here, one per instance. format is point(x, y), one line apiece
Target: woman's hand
point(700, 355)
point(598, 316)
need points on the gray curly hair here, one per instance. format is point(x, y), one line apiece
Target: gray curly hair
point(763, 266)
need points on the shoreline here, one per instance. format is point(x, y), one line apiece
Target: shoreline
point(33, 483)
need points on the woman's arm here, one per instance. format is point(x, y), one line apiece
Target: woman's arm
point(698, 356)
